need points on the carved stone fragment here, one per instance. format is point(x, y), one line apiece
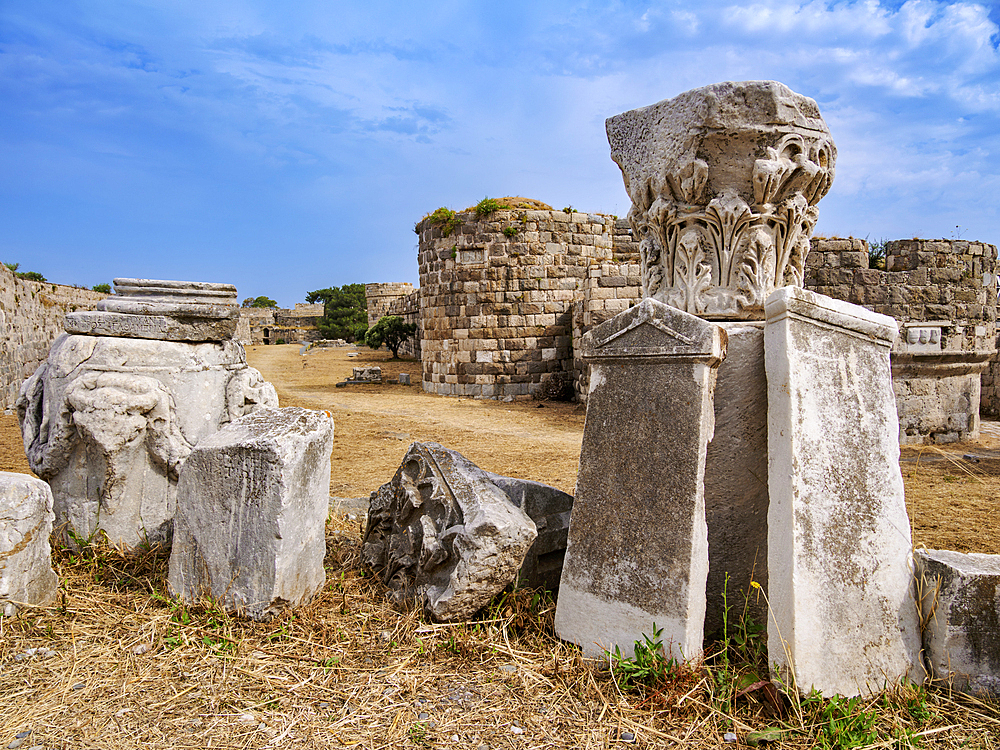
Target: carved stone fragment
point(443, 533)
point(724, 182)
point(26, 575)
point(108, 420)
point(163, 310)
point(252, 503)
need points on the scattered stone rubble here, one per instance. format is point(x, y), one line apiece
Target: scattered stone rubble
point(26, 575)
point(252, 504)
point(452, 536)
point(110, 417)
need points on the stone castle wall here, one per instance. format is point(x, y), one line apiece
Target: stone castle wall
point(268, 325)
point(379, 298)
point(497, 307)
point(408, 308)
point(943, 294)
point(608, 289)
point(31, 317)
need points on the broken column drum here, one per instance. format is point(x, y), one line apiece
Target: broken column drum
point(637, 556)
point(26, 575)
point(124, 396)
point(724, 182)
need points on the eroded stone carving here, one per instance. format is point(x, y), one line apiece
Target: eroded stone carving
point(724, 182)
point(443, 533)
point(108, 420)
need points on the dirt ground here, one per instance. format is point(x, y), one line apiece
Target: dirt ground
point(952, 500)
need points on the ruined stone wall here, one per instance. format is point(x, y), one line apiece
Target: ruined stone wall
point(31, 317)
point(408, 308)
point(253, 324)
point(943, 294)
point(608, 289)
point(379, 297)
point(496, 306)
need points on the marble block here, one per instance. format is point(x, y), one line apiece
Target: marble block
point(637, 554)
point(840, 582)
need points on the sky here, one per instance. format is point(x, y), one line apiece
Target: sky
point(287, 147)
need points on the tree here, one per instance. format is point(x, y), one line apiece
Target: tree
point(104, 288)
point(391, 331)
point(261, 301)
point(345, 311)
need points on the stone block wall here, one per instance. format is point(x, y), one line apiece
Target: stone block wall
point(608, 289)
point(497, 307)
point(31, 317)
point(255, 326)
point(943, 294)
point(379, 297)
point(408, 308)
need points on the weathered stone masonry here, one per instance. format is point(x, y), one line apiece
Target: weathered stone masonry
point(498, 315)
point(497, 308)
point(31, 317)
point(943, 294)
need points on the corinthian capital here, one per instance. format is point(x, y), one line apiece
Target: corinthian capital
point(724, 182)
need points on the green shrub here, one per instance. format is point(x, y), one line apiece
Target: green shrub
point(488, 207)
point(391, 331)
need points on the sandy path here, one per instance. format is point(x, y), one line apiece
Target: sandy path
point(376, 424)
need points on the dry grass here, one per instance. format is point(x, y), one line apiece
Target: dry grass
point(130, 668)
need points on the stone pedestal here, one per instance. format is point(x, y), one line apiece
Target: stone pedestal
point(26, 575)
point(637, 557)
point(110, 417)
point(960, 606)
point(252, 503)
point(736, 481)
point(843, 618)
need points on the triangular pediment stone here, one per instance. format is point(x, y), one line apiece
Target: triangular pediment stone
point(653, 329)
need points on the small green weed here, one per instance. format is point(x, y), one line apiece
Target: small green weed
point(446, 219)
point(648, 666)
point(488, 207)
point(510, 231)
point(842, 723)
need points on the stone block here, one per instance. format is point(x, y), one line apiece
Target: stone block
point(960, 608)
point(26, 575)
point(252, 502)
point(637, 555)
point(843, 619)
point(736, 498)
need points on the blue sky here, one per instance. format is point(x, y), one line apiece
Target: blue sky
point(286, 147)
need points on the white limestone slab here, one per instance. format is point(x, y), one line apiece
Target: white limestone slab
point(26, 575)
point(843, 619)
point(252, 502)
point(960, 606)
